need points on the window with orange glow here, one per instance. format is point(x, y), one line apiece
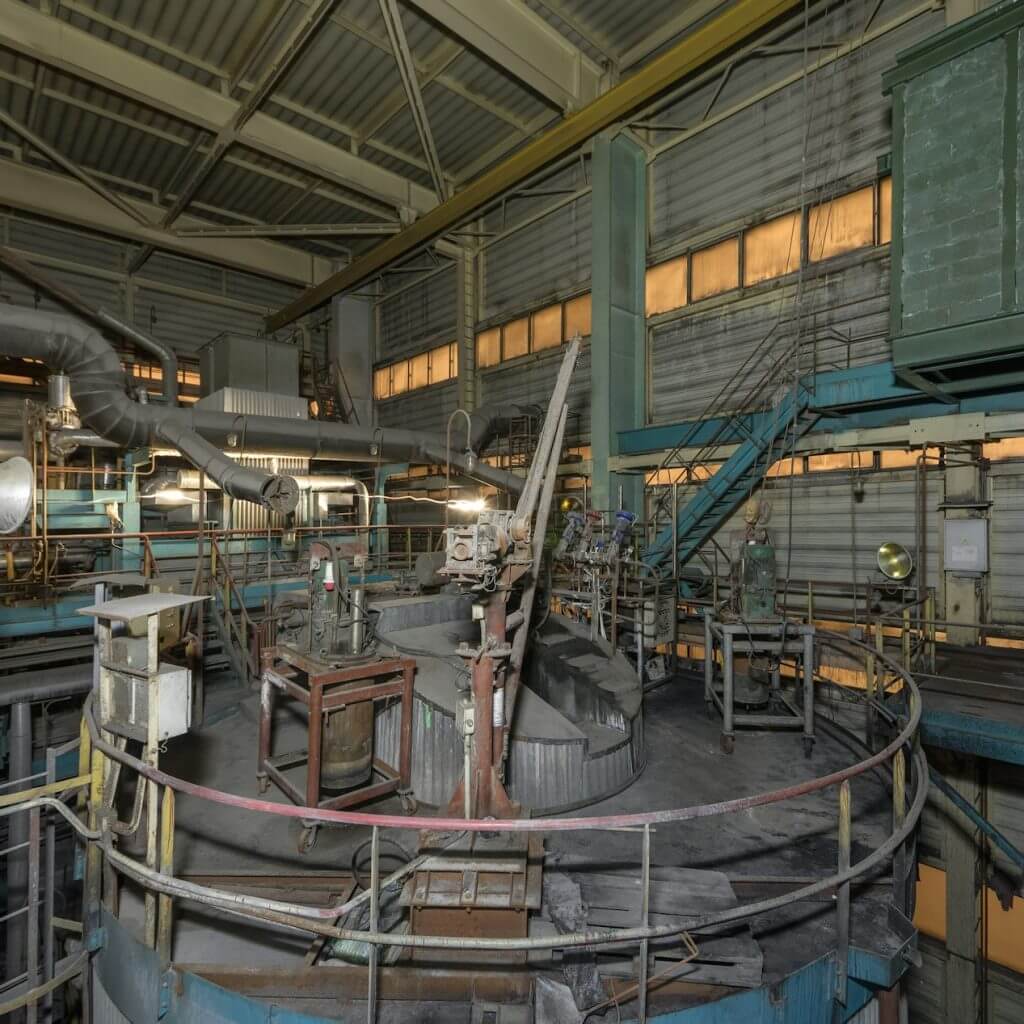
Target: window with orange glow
point(440, 364)
point(488, 348)
point(546, 328)
point(885, 211)
point(772, 249)
point(841, 225)
point(840, 460)
point(577, 317)
point(715, 269)
point(665, 286)
point(515, 338)
point(400, 377)
point(419, 371)
point(382, 382)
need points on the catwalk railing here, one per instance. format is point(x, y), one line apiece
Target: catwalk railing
point(103, 762)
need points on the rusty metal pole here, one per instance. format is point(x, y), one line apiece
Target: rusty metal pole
point(843, 894)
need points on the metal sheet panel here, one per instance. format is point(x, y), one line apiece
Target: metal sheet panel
point(754, 160)
point(1006, 537)
point(418, 317)
point(1006, 806)
point(425, 409)
point(548, 776)
point(1005, 997)
point(835, 536)
point(540, 263)
point(708, 362)
point(189, 323)
point(926, 985)
point(530, 381)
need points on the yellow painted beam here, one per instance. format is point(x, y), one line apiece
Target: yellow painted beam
point(9, 799)
point(697, 50)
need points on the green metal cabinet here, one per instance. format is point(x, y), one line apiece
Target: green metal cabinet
point(958, 219)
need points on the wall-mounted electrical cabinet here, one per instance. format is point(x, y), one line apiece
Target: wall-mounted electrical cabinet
point(957, 319)
point(966, 546)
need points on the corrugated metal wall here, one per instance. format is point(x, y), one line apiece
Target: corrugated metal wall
point(753, 161)
point(183, 302)
point(926, 985)
point(835, 536)
point(704, 363)
point(418, 316)
point(1006, 541)
point(536, 258)
point(531, 380)
point(426, 409)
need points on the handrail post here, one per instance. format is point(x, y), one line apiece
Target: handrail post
point(899, 814)
point(164, 926)
point(32, 923)
point(645, 913)
point(871, 713)
point(905, 639)
point(843, 894)
point(371, 993)
point(929, 611)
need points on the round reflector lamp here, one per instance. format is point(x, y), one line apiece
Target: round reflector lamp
point(894, 561)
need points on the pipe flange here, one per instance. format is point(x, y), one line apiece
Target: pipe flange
point(281, 494)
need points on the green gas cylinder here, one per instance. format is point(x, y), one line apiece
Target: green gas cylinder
point(757, 582)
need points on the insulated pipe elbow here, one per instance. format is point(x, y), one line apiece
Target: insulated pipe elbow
point(98, 386)
point(278, 493)
point(164, 353)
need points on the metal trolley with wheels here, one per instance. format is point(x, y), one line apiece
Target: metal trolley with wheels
point(773, 638)
point(330, 692)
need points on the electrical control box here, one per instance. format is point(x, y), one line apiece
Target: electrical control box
point(966, 546)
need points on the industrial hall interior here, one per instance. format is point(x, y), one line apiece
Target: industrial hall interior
point(512, 511)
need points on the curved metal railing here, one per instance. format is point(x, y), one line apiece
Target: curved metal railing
point(100, 756)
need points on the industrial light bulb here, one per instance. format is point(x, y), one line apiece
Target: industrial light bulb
point(465, 505)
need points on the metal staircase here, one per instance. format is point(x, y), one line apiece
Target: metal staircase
point(763, 439)
point(333, 397)
point(764, 404)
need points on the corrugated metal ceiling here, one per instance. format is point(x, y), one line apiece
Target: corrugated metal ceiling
point(343, 89)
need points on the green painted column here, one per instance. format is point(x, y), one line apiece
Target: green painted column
point(618, 340)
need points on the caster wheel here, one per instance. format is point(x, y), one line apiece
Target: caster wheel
point(307, 839)
point(728, 743)
point(262, 784)
point(409, 804)
point(808, 746)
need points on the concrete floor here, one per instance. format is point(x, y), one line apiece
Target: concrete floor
point(685, 766)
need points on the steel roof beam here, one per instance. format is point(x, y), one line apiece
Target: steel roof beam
point(66, 164)
point(711, 41)
point(521, 44)
point(85, 56)
point(289, 230)
point(58, 197)
point(410, 83)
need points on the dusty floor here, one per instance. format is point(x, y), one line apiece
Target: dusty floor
point(685, 766)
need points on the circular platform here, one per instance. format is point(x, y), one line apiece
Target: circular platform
point(578, 733)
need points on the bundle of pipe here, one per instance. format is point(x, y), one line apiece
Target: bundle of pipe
point(99, 389)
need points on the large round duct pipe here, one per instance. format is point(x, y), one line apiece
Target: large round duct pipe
point(188, 480)
point(72, 300)
point(98, 388)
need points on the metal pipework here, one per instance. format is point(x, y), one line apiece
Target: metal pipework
point(188, 480)
point(98, 387)
point(73, 301)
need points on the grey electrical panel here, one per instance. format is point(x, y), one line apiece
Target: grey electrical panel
point(966, 547)
point(256, 364)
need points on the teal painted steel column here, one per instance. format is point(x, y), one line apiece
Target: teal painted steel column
point(618, 340)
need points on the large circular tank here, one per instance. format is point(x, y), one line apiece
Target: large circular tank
point(578, 732)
